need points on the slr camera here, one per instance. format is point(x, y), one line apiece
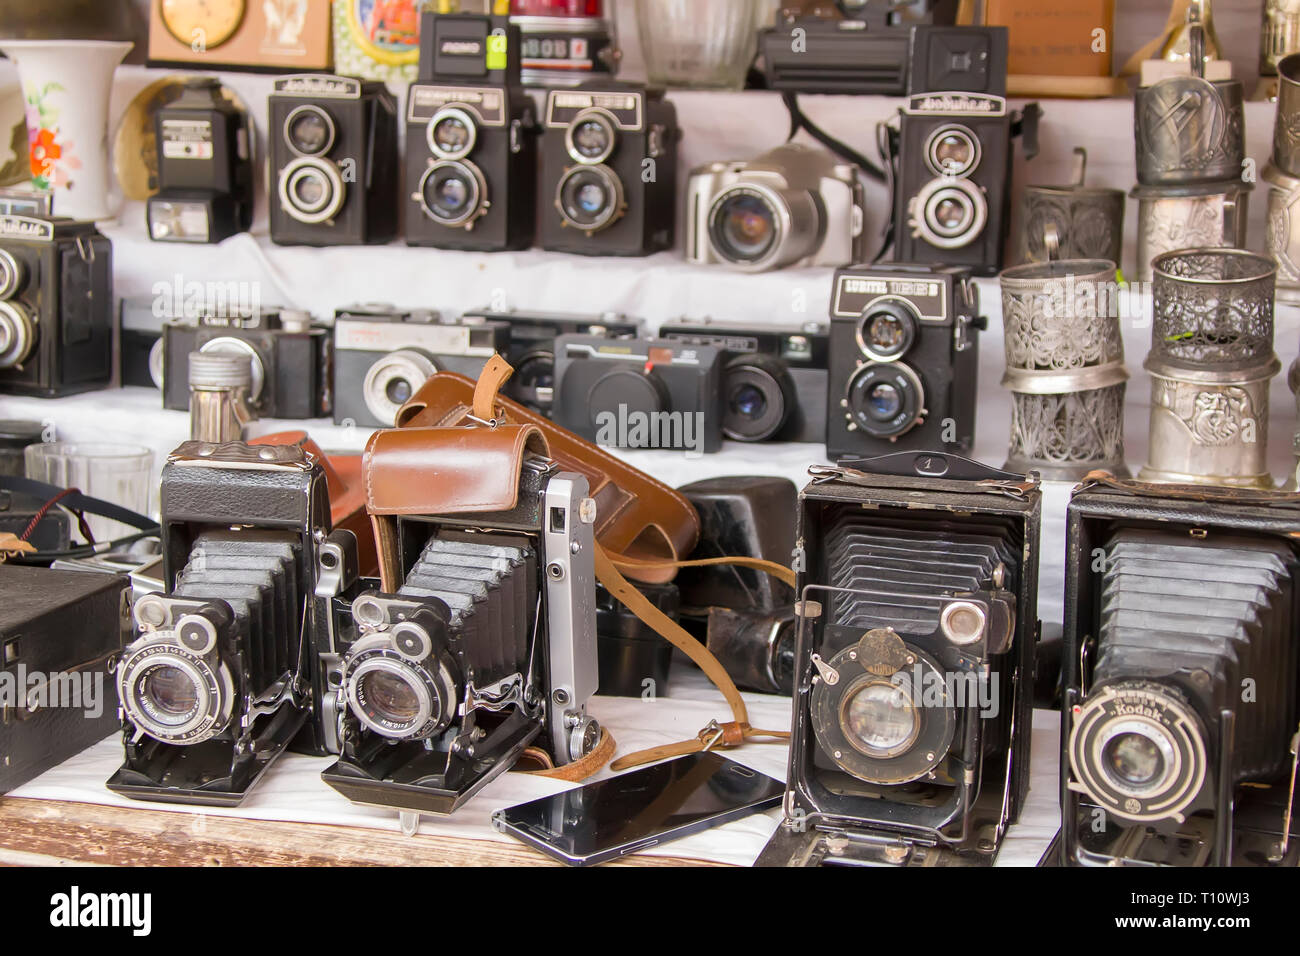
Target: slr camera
point(917, 620)
point(952, 151)
point(865, 49)
point(904, 359)
point(56, 306)
point(792, 206)
point(487, 645)
point(205, 167)
point(289, 355)
point(532, 348)
point(639, 393)
point(1180, 678)
point(334, 164)
point(217, 681)
point(69, 627)
point(471, 153)
point(608, 171)
point(382, 355)
point(773, 378)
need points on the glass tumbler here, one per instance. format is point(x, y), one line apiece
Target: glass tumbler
point(699, 45)
point(120, 474)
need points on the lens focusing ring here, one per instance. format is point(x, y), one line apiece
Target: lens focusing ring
point(892, 311)
point(968, 196)
point(309, 110)
point(415, 368)
point(475, 203)
point(885, 381)
point(429, 682)
point(209, 680)
point(604, 121)
point(333, 191)
point(609, 213)
point(12, 274)
point(449, 113)
point(968, 140)
point(17, 334)
point(770, 380)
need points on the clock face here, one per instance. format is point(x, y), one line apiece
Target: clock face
point(203, 24)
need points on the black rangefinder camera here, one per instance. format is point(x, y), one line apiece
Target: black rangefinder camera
point(1180, 678)
point(904, 359)
point(639, 393)
point(471, 148)
point(205, 167)
point(334, 164)
point(56, 306)
point(219, 680)
point(609, 171)
point(773, 378)
point(289, 355)
point(917, 620)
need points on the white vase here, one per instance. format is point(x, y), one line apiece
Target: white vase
point(66, 86)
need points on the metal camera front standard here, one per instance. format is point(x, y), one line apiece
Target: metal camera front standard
point(1211, 361)
point(1065, 368)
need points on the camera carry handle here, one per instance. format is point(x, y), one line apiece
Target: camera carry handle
point(80, 505)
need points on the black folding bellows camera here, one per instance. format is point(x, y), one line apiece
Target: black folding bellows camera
point(917, 591)
point(217, 682)
point(1180, 677)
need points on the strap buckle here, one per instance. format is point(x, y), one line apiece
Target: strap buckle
point(716, 730)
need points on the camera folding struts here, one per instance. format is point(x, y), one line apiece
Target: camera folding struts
point(217, 683)
point(917, 618)
point(1179, 726)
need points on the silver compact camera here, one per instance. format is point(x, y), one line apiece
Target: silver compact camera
point(792, 206)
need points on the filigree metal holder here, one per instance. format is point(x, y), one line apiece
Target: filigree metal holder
point(1072, 221)
point(1189, 130)
point(1282, 235)
point(1184, 217)
point(1286, 128)
point(1213, 309)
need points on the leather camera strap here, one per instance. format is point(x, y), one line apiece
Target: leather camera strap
point(715, 736)
point(575, 770)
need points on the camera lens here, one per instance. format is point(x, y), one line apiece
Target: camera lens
point(885, 400)
point(399, 391)
point(952, 151)
point(11, 274)
point(880, 719)
point(309, 131)
point(311, 190)
point(949, 213)
point(451, 136)
point(590, 197)
point(1134, 760)
point(590, 138)
point(887, 330)
point(17, 335)
point(452, 192)
point(760, 396)
point(533, 386)
point(170, 692)
point(391, 696)
point(392, 380)
point(744, 227)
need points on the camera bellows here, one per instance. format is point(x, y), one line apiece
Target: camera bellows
point(1188, 628)
point(490, 593)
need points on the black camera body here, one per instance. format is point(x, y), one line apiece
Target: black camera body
point(334, 163)
point(205, 167)
point(917, 621)
point(608, 171)
point(218, 681)
point(486, 646)
point(60, 633)
point(532, 347)
point(952, 175)
point(56, 306)
point(1180, 678)
point(471, 149)
point(383, 355)
point(639, 393)
point(904, 348)
point(139, 342)
point(290, 357)
point(774, 378)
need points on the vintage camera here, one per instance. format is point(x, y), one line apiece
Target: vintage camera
point(382, 355)
point(904, 359)
point(471, 153)
point(532, 347)
point(334, 165)
point(290, 358)
point(865, 50)
point(56, 306)
point(639, 393)
point(205, 167)
point(792, 206)
point(139, 343)
point(218, 681)
point(487, 647)
point(773, 378)
point(1180, 678)
point(58, 646)
point(953, 148)
point(917, 619)
point(609, 171)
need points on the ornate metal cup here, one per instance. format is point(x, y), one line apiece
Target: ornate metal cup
point(1211, 361)
point(1283, 233)
point(1065, 366)
point(1184, 217)
point(1189, 130)
point(1286, 127)
point(1072, 221)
